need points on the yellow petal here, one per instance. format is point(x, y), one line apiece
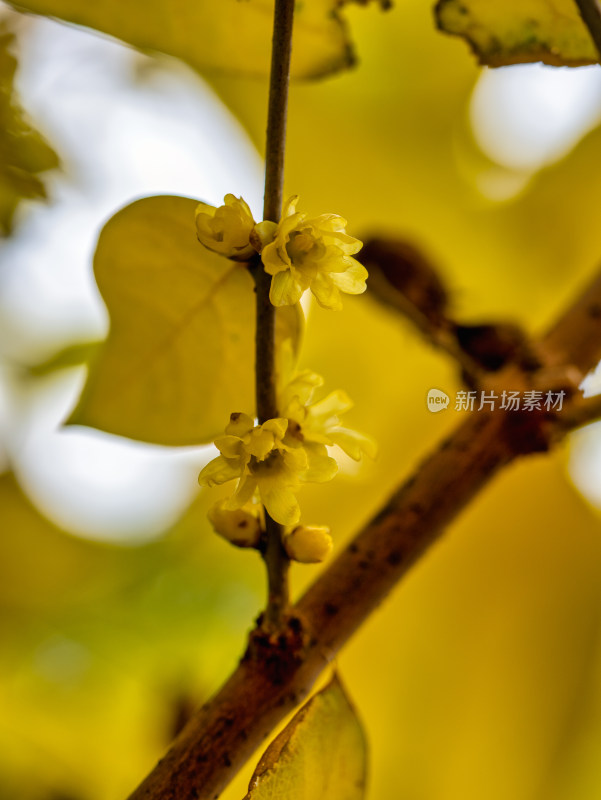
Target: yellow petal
point(205, 210)
point(300, 388)
point(263, 234)
point(326, 293)
point(353, 443)
point(226, 230)
point(275, 258)
point(329, 409)
point(244, 492)
point(321, 467)
point(229, 446)
point(284, 291)
point(276, 426)
point(289, 207)
point(240, 424)
point(239, 204)
point(280, 502)
point(295, 460)
point(218, 471)
point(261, 443)
point(352, 281)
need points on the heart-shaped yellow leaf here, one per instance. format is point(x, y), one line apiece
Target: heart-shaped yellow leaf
point(179, 357)
point(321, 753)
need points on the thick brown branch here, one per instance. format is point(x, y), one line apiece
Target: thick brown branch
point(582, 412)
point(575, 339)
point(277, 672)
point(270, 681)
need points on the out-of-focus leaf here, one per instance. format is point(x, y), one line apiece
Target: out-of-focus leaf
point(179, 356)
point(320, 753)
point(229, 36)
point(23, 151)
point(520, 31)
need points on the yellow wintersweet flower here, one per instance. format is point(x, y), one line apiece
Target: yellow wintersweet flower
point(226, 230)
point(314, 254)
point(261, 461)
point(316, 424)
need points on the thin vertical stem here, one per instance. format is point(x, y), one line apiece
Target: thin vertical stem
point(276, 560)
point(278, 107)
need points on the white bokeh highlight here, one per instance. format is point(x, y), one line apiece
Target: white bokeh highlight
point(528, 116)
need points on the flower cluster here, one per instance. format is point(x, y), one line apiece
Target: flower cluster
point(258, 457)
point(298, 253)
point(275, 458)
point(271, 461)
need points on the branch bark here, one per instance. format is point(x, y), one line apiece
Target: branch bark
point(278, 671)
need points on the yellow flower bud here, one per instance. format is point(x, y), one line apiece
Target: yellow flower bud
point(241, 526)
point(309, 544)
point(226, 230)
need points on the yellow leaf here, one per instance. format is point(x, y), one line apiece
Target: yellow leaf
point(321, 753)
point(23, 151)
point(229, 36)
point(520, 31)
point(179, 356)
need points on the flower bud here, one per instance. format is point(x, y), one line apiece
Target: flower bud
point(241, 526)
point(309, 544)
point(226, 230)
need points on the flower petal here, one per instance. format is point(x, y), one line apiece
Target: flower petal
point(289, 207)
point(244, 491)
point(299, 389)
point(353, 443)
point(229, 446)
point(321, 467)
point(219, 470)
point(280, 502)
point(276, 426)
point(284, 291)
point(263, 234)
point(327, 410)
point(294, 460)
point(326, 293)
point(352, 281)
point(240, 424)
point(261, 443)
